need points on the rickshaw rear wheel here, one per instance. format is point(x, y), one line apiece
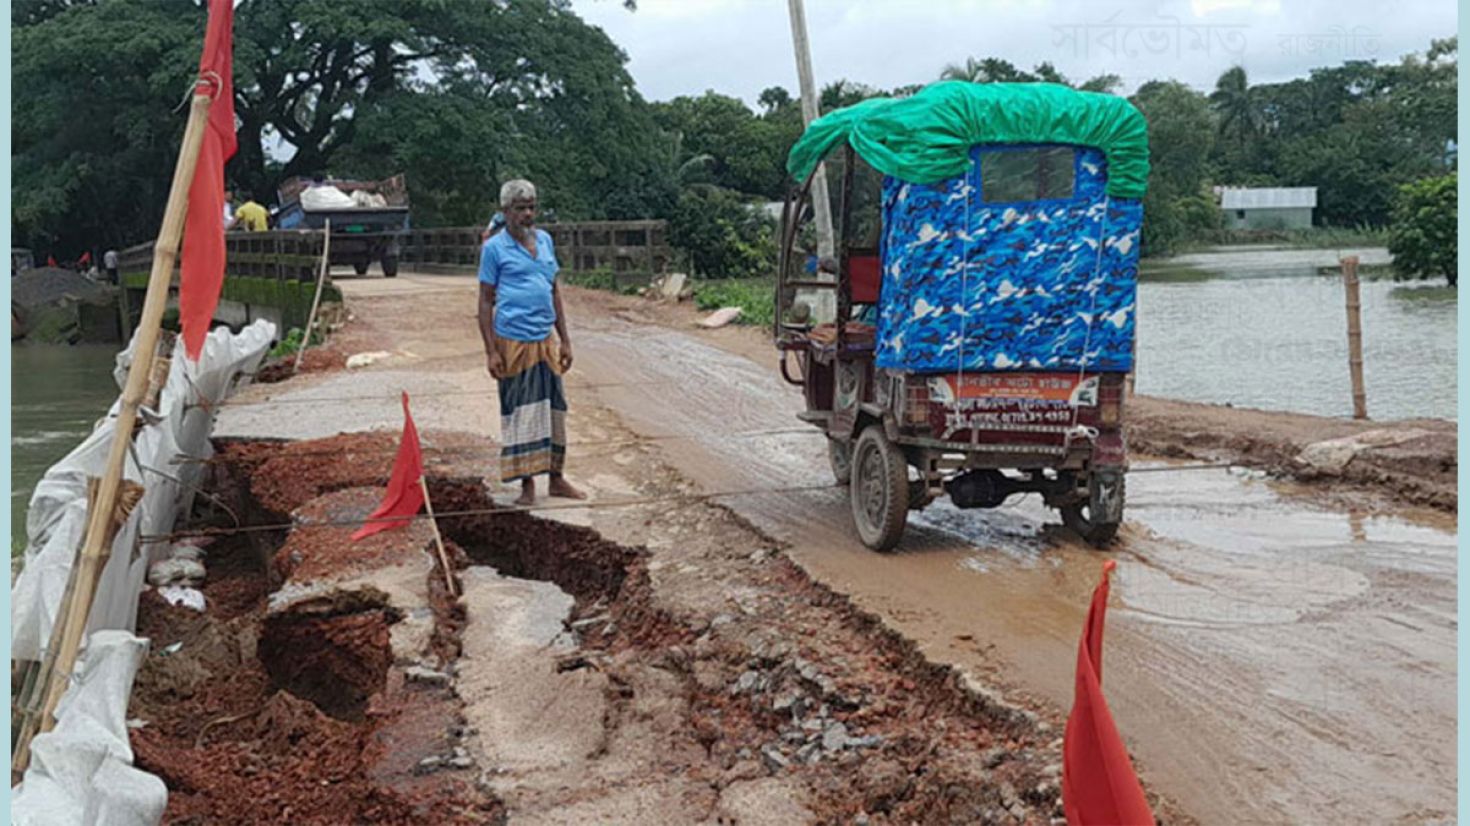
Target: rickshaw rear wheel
point(880, 490)
point(1098, 518)
point(839, 454)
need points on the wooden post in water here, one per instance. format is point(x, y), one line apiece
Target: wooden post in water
point(1355, 336)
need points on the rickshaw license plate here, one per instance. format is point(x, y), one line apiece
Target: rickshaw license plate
point(1066, 389)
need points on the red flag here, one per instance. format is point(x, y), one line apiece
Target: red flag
point(404, 496)
point(1099, 787)
point(202, 265)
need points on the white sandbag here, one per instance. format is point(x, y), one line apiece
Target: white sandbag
point(81, 772)
point(56, 521)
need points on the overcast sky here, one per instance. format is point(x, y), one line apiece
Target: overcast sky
point(739, 47)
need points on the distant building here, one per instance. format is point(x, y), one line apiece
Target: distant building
point(1268, 207)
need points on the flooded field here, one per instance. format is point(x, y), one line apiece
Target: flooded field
point(1263, 329)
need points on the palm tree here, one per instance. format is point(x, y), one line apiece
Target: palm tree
point(1105, 83)
point(970, 70)
point(1235, 105)
point(989, 70)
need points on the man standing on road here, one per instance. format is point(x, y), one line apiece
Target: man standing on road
point(519, 306)
point(109, 265)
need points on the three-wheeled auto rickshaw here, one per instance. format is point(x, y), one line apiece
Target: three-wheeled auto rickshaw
point(985, 281)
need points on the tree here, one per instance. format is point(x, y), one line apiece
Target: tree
point(774, 98)
point(988, 70)
point(458, 95)
point(1423, 237)
point(1180, 137)
point(1105, 83)
point(93, 129)
point(995, 70)
point(724, 236)
point(1233, 103)
point(747, 153)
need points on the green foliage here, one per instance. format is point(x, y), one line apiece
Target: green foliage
point(605, 279)
point(756, 298)
point(94, 135)
point(292, 342)
point(724, 236)
point(1423, 236)
point(463, 95)
point(1177, 206)
point(1355, 131)
point(458, 95)
point(995, 70)
point(737, 149)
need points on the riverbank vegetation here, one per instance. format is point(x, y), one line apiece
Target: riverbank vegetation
point(462, 96)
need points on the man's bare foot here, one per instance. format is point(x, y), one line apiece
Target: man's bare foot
point(528, 494)
point(559, 486)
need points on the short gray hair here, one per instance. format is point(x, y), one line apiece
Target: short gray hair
point(519, 189)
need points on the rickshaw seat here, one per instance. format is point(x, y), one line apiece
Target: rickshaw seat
point(859, 335)
point(864, 276)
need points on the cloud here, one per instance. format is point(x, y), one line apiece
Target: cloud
point(739, 47)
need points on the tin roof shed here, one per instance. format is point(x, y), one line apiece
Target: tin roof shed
point(1269, 197)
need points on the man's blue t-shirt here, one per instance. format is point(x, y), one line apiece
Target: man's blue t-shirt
point(523, 307)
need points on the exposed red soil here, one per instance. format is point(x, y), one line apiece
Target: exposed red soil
point(321, 546)
point(318, 360)
point(577, 559)
point(308, 719)
point(299, 718)
point(337, 662)
point(284, 476)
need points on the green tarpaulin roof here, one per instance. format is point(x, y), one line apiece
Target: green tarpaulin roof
point(927, 137)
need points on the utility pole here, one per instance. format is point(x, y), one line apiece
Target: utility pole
point(821, 203)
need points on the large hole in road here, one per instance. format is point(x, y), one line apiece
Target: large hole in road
point(306, 717)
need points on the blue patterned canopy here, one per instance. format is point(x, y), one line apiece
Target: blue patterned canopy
point(973, 283)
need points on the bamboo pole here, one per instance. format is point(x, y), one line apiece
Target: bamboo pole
point(438, 540)
point(1355, 336)
point(321, 276)
point(66, 637)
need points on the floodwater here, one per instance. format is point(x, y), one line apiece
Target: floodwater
point(1261, 329)
point(1268, 660)
point(57, 393)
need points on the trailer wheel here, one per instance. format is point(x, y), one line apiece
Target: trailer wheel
point(879, 490)
point(390, 266)
point(1097, 519)
point(839, 454)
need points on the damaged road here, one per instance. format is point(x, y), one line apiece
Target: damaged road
point(1272, 656)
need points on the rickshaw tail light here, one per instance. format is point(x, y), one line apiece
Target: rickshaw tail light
point(916, 402)
point(1110, 401)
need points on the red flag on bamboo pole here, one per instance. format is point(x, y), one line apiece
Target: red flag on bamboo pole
point(405, 495)
point(202, 264)
point(1099, 787)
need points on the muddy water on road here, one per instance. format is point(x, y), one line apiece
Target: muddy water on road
point(1268, 661)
